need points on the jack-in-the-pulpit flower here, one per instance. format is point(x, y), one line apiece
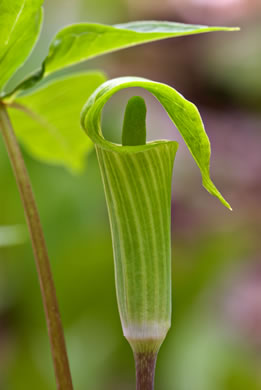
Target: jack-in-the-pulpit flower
point(137, 180)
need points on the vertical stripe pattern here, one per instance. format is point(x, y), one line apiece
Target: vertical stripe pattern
point(137, 183)
point(138, 194)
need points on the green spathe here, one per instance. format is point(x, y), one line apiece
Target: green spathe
point(137, 183)
point(138, 193)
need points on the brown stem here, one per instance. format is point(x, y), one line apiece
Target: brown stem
point(145, 370)
point(54, 324)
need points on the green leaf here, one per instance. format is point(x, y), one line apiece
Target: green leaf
point(20, 27)
point(47, 121)
point(137, 183)
point(183, 113)
point(80, 42)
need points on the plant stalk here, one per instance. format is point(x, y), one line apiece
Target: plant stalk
point(53, 319)
point(145, 370)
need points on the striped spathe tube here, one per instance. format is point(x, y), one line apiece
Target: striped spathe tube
point(137, 180)
point(138, 193)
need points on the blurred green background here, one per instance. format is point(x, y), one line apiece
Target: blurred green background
point(215, 339)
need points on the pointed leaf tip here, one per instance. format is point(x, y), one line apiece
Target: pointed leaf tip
point(80, 42)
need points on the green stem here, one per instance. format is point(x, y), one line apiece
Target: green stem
point(54, 324)
point(145, 370)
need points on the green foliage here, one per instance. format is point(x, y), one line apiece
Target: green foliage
point(47, 121)
point(80, 42)
point(134, 125)
point(20, 26)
